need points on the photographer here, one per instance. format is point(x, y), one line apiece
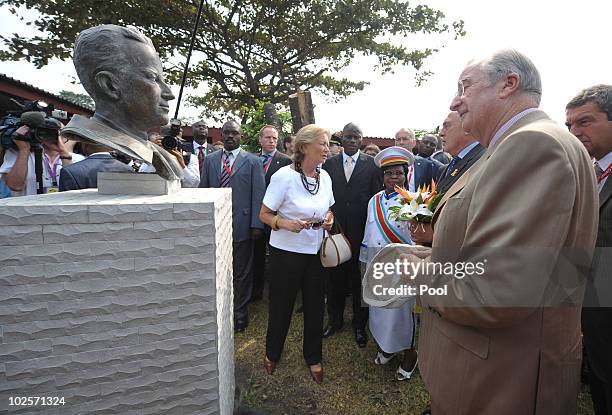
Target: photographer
point(189, 162)
point(18, 168)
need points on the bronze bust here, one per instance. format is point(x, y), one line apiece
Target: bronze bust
point(120, 69)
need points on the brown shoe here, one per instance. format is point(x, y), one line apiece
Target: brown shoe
point(269, 365)
point(317, 375)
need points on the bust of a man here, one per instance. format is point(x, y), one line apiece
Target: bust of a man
point(120, 69)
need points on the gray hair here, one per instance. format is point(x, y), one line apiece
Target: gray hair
point(600, 94)
point(405, 130)
point(508, 61)
point(101, 48)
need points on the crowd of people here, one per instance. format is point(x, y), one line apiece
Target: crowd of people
point(514, 185)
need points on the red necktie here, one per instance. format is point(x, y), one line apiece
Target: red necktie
point(200, 159)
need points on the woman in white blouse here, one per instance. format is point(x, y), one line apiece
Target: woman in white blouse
point(297, 208)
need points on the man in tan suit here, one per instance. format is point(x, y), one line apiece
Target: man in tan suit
point(508, 341)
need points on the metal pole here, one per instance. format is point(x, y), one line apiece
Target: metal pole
point(193, 36)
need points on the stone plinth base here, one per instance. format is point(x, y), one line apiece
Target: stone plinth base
point(120, 304)
point(110, 183)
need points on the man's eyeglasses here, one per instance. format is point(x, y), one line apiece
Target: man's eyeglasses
point(460, 89)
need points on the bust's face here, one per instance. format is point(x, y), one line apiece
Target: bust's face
point(144, 94)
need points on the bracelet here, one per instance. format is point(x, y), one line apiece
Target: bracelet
point(65, 157)
point(275, 223)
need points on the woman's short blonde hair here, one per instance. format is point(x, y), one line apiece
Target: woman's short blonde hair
point(307, 134)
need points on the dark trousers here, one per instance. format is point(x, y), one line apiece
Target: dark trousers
point(243, 278)
point(339, 279)
point(259, 264)
point(597, 331)
point(287, 273)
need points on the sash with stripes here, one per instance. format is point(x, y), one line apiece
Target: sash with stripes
point(384, 225)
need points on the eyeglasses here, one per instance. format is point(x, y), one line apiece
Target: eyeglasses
point(460, 89)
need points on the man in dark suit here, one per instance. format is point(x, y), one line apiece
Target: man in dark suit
point(462, 146)
point(84, 174)
point(424, 169)
point(243, 172)
point(355, 179)
point(465, 151)
point(271, 160)
point(199, 147)
point(589, 117)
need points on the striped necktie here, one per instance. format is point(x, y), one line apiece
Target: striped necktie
point(225, 170)
point(265, 159)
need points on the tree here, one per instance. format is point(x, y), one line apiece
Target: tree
point(247, 50)
point(254, 121)
point(80, 99)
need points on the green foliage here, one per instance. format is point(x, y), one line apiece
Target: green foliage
point(248, 50)
point(253, 121)
point(80, 99)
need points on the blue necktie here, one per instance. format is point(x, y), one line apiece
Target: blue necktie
point(451, 166)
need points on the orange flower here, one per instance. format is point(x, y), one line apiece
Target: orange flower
point(404, 193)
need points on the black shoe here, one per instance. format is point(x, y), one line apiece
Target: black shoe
point(330, 330)
point(361, 338)
point(240, 325)
point(426, 412)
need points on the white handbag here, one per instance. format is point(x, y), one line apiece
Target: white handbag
point(335, 249)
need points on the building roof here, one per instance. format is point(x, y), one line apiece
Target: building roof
point(27, 91)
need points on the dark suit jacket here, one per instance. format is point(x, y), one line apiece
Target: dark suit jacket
point(84, 174)
point(248, 189)
point(597, 313)
point(351, 199)
point(446, 181)
point(425, 170)
point(279, 160)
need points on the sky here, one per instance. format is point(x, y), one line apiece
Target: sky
point(567, 41)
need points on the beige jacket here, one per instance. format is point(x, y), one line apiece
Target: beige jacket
point(529, 207)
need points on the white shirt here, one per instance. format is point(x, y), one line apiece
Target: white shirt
point(10, 157)
point(191, 172)
point(604, 162)
point(287, 196)
point(196, 148)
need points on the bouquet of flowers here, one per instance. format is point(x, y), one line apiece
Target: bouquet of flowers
point(416, 206)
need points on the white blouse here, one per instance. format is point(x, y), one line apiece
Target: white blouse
point(287, 196)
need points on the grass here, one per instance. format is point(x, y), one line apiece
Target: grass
point(353, 384)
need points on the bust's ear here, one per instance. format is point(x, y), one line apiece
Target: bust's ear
point(108, 84)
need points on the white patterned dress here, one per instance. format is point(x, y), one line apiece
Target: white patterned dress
point(392, 328)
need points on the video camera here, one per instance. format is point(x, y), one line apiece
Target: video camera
point(171, 140)
point(34, 114)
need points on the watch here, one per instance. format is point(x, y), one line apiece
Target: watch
point(65, 157)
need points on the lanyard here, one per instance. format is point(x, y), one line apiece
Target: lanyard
point(52, 170)
point(227, 167)
point(604, 174)
point(410, 177)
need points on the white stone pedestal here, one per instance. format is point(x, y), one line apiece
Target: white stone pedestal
point(120, 304)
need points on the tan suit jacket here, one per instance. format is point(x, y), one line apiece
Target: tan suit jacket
point(529, 208)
